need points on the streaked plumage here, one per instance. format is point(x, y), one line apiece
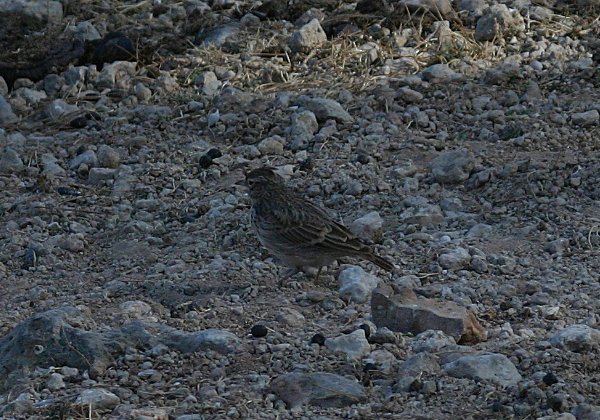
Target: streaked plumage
point(299, 233)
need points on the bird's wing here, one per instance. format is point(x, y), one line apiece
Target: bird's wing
point(302, 224)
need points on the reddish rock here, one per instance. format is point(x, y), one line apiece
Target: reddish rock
point(407, 313)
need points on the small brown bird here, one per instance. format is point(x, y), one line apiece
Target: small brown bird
point(296, 231)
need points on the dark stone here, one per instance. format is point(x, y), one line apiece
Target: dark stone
point(259, 331)
point(318, 338)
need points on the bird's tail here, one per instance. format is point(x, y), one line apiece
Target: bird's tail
point(381, 262)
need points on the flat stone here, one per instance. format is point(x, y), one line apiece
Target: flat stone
point(97, 175)
point(98, 399)
point(325, 109)
point(585, 119)
point(408, 314)
point(493, 367)
point(320, 389)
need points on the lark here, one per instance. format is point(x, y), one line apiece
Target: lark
point(297, 232)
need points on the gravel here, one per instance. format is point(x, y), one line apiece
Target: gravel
point(461, 143)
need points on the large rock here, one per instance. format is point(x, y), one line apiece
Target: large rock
point(317, 388)
point(453, 166)
point(48, 339)
point(578, 338)
point(408, 314)
point(486, 366)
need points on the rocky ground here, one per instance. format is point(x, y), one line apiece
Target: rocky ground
point(461, 138)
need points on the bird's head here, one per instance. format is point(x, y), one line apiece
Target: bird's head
point(262, 180)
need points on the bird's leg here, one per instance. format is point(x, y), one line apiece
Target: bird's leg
point(318, 274)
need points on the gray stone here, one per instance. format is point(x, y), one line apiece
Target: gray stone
point(271, 145)
point(356, 284)
point(578, 338)
point(413, 368)
point(455, 259)
point(10, 161)
point(409, 95)
point(493, 367)
point(353, 345)
point(88, 157)
point(74, 75)
point(213, 339)
point(44, 336)
point(3, 87)
point(308, 37)
point(317, 388)
point(97, 399)
point(208, 82)
point(108, 157)
point(440, 73)
point(303, 127)
point(586, 412)
point(408, 314)
point(424, 215)
point(442, 7)
point(116, 75)
point(497, 22)
point(218, 36)
point(51, 166)
point(72, 242)
point(453, 166)
point(135, 308)
point(55, 382)
point(58, 108)
point(97, 175)
point(37, 12)
point(7, 116)
point(86, 31)
point(31, 96)
point(383, 360)
point(142, 92)
point(480, 230)
point(325, 109)
point(291, 317)
point(431, 341)
point(367, 226)
point(585, 118)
